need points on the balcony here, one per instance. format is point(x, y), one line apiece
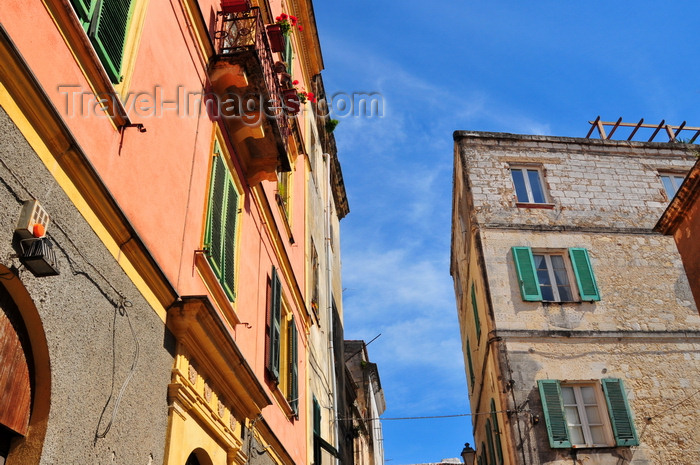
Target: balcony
point(248, 95)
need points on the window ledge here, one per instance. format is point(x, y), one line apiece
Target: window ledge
point(546, 206)
point(215, 288)
point(283, 402)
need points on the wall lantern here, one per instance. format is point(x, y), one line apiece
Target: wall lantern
point(468, 454)
point(36, 250)
point(39, 257)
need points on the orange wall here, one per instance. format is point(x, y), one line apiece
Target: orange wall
point(160, 178)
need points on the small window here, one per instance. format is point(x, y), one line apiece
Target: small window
point(549, 275)
point(587, 414)
point(529, 185)
point(671, 182)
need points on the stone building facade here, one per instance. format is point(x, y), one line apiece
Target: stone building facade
point(580, 335)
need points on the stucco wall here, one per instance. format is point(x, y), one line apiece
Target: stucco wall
point(90, 341)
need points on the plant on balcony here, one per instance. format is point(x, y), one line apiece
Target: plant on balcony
point(287, 23)
point(282, 27)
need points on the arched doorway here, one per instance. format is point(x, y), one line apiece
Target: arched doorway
point(25, 384)
point(16, 374)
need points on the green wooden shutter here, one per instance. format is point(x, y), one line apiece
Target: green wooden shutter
point(489, 441)
point(317, 432)
point(229, 238)
point(275, 325)
point(84, 10)
point(527, 275)
point(293, 368)
point(287, 55)
point(584, 274)
point(550, 393)
point(475, 309)
point(213, 238)
point(472, 379)
point(497, 434)
point(620, 415)
point(107, 33)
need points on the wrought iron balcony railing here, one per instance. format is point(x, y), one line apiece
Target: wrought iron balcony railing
point(243, 34)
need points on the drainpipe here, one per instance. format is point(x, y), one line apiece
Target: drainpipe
point(329, 295)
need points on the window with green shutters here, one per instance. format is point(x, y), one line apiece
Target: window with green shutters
point(288, 54)
point(470, 365)
point(292, 370)
point(222, 215)
point(106, 23)
point(555, 275)
point(575, 414)
point(496, 434)
point(475, 309)
point(317, 431)
point(489, 442)
point(274, 326)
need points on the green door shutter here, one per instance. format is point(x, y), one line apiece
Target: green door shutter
point(229, 238)
point(489, 441)
point(550, 393)
point(471, 366)
point(213, 238)
point(497, 434)
point(584, 274)
point(620, 415)
point(275, 324)
point(107, 33)
point(84, 9)
point(287, 55)
point(293, 368)
point(317, 432)
point(527, 275)
point(477, 322)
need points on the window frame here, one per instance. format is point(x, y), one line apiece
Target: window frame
point(570, 275)
point(586, 424)
point(527, 185)
point(672, 176)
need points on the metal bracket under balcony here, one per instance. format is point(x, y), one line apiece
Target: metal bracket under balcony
point(248, 95)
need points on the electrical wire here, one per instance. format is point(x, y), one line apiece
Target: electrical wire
point(122, 311)
point(429, 417)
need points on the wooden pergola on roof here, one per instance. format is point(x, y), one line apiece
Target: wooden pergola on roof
point(671, 130)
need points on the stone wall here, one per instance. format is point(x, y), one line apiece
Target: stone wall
point(99, 330)
point(605, 197)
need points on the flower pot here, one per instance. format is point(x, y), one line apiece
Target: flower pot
point(290, 101)
point(276, 38)
point(234, 6)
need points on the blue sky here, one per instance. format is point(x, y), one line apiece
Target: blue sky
point(542, 67)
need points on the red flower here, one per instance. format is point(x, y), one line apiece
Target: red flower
point(283, 16)
point(295, 82)
point(301, 28)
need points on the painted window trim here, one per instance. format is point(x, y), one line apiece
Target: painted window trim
point(581, 269)
point(617, 410)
